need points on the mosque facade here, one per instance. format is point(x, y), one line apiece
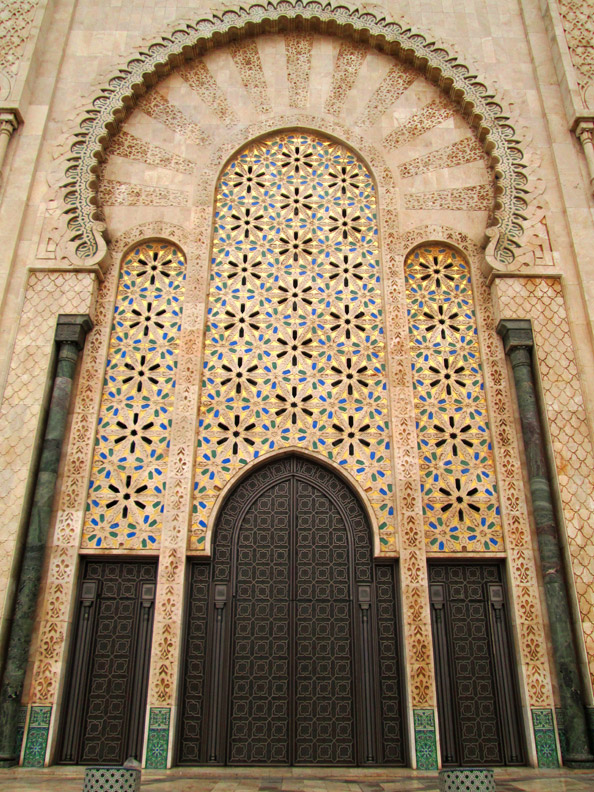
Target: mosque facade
point(297, 383)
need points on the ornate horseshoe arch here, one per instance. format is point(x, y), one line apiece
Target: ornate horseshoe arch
point(85, 240)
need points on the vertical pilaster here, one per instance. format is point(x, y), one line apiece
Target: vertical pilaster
point(518, 343)
point(8, 124)
point(584, 132)
point(70, 335)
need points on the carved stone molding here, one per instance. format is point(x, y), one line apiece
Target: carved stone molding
point(16, 20)
point(85, 242)
point(584, 132)
point(8, 123)
point(578, 26)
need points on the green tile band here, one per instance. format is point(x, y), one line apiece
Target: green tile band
point(544, 736)
point(37, 734)
point(425, 739)
point(158, 738)
point(20, 732)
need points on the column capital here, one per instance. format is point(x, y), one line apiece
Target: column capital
point(516, 334)
point(72, 329)
point(584, 129)
point(8, 121)
point(584, 132)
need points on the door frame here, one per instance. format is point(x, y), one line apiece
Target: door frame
point(74, 660)
point(506, 681)
point(221, 597)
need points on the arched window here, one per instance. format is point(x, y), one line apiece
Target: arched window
point(460, 502)
point(294, 353)
point(126, 493)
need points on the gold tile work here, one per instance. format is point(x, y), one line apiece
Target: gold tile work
point(460, 502)
point(126, 492)
point(295, 352)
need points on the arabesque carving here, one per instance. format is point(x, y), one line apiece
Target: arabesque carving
point(82, 220)
point(577, 17)
point(16, 18)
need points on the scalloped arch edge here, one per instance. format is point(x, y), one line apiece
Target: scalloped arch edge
point(438, 63)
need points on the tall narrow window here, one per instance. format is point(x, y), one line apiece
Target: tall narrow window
point(460, 502)
point(294, 351)
point(126, 494)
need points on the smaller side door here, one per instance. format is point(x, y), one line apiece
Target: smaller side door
point(105, 697)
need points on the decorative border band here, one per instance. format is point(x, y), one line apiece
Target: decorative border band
point(478, 103)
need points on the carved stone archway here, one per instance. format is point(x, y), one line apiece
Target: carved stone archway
point(84, 240)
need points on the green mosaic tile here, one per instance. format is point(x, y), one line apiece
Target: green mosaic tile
point(158, 738)
point(37, 733)
point(425, 739)
point(545, 738)
point(20, 730)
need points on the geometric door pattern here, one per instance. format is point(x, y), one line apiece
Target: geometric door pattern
point(292, 630)
point(477, 696)
point(105, 699)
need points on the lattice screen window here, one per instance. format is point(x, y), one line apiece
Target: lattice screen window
point(127, 488)
point(460, 502)
point(294, 352)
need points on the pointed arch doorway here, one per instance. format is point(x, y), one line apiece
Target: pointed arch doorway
point(292, 649)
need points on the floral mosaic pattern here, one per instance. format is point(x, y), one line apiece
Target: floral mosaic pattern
point(460, 503)
point(294, 352)
point(127, 488)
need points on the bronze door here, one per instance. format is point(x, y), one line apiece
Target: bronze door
point(476, 688)
point(105, 699)
point(299, 645)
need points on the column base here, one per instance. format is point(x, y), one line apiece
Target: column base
point(9, 761)
point(579, 762)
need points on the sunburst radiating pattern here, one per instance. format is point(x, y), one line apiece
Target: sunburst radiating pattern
point(460, 503)
point(294, 352)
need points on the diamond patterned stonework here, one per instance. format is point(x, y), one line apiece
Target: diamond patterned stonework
point(111, 779)
point(294, 352)
point(467, 780)
point(460, 503)
point(126, 492)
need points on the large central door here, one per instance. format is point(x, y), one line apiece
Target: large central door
point(293, 671)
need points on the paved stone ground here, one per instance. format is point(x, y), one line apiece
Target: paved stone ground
point(63, 779)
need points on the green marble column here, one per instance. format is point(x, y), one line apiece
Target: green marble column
point(518, 343)
point(70, 336)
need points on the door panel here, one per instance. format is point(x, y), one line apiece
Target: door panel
point(259, 709)
point(294, 668)
point(390, 695)
point(103, 719)
point(324, 639)
point(193, 696)
point(478, 705)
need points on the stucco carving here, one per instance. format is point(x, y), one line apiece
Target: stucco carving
point(16, 18)
point(81, 227)
point(577, 17)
